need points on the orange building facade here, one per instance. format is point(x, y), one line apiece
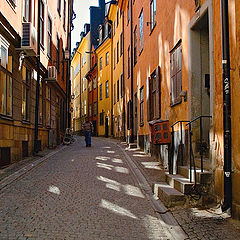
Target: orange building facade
point(19, 44)
point(173, 74)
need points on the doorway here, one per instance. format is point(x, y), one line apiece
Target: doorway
point(135, 116)
point(201, 83)
point(106, 126)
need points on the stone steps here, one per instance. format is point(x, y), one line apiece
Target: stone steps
point(202, 177)
point(168, 195)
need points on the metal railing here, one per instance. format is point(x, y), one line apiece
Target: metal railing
point(173, 147)
point(192, 159)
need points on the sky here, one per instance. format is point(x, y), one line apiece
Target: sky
point(81, 8)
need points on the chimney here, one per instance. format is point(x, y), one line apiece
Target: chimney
point(101, 4)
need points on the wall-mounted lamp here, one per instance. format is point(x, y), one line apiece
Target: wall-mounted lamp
point(183, 94)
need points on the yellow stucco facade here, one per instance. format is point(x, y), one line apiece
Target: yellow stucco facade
point(80, 67)
point(116, 16)
point(104, 56)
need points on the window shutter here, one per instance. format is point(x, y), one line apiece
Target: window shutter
point(158, 92)
point(148, 99)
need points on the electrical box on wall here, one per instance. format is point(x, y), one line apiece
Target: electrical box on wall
point(160, 132)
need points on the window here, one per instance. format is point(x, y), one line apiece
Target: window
point(64, 15)
point(95, 83)
point(85, 57)
point(5, 78)
point(26, 83)
point(154, 95)
point(122, 85)
point(118, 90)
point(141, 106)
point(129, 63)
point(100, 91)
point(114, 58)
point(49, 39)
point(117, 51)
point(117, 17)
point(59, 7)
point(100, 63)
point(90, 110)
point(135, 45)
point(107, 89)
point(128, 13)
point(121, 44)
point(40, 102)
point(176, 74)
point(62, 64)
point(95, 108)
point(58, 53)
point(85, 107)
point(41, 23)
point(153, 14)
point(48, 106)
point(102, 118)
point(90, 85)
point(114, 93)
point(141, 32)
point(27, 10)
point(107, 58)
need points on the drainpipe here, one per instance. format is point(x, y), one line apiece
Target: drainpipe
point(227, 203)
point(37, 85)
point(68, 83)
point(124, 99)
point(132, 117)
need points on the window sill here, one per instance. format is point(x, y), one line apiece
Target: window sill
point(27, 122)
point(176, 102)
point(42, 47)
point(4, 117)
point(152, 29)
point(140, 52)
point(142, 124)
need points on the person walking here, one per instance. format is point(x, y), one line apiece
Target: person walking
point(88, 129)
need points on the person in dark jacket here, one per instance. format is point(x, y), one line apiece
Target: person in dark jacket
point(88, 129)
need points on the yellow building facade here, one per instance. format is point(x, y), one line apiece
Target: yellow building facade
point(80, 67)
point(116, 17)
point(104, 56)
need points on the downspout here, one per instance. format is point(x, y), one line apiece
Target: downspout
point(68, 88)
point(131, 112)
point(227, 203)
point(124, 99)
point(37, 85)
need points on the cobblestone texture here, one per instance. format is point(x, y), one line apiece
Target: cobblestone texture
point(198, 224)
point(79, 193)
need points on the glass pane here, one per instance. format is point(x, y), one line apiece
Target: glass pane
point(23, 101)
point(9, 96)
point(3, 56)
point(2, 93)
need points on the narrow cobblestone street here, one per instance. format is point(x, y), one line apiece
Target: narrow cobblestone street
point(79, 193)
point(92, 193)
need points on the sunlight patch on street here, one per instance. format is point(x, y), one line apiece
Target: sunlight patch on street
point(122, 170)
point(133, 191)
point(54, 189)
point(116, 209)
point(116, 160)
point(102, 158)
point(113, 187)
point(151, 165)
point(103, 165)
point(107, 180)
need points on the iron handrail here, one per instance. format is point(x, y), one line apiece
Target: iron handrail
point(195, 119)
point(192, 160)
point(172, 152)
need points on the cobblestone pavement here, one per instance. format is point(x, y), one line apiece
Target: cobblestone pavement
point(79, 193)
point(198, 224)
